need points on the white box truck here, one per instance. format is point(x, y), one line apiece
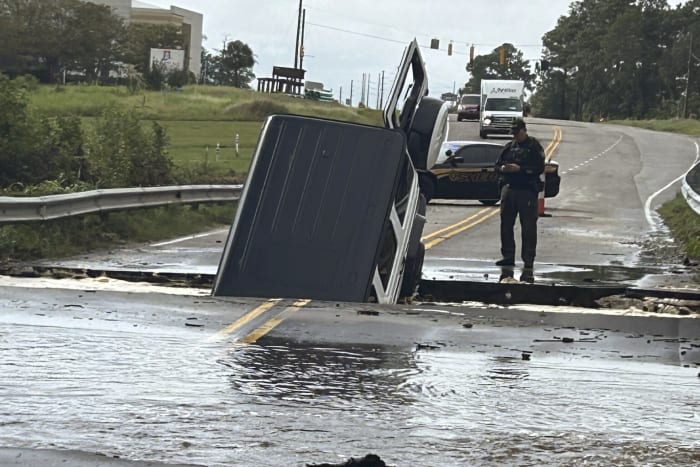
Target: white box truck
point(502, 101)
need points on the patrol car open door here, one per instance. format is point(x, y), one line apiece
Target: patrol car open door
point(332, 210)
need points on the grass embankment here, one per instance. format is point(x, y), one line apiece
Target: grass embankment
point(682, 126)
point(196, 119)
point(684, 224)
point(677, 215)
point(75, 235)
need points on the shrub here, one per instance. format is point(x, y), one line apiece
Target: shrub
point(123, 153)
point(255, 110)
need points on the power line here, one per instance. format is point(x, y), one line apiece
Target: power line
point(344, 16)
point(386, 39)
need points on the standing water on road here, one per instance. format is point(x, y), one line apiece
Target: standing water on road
point(152, 398)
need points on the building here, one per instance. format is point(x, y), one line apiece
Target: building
point(190, 21)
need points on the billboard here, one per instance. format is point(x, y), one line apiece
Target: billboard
point(168, 59)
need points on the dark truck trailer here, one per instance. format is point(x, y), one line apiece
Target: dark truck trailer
point(333, 210)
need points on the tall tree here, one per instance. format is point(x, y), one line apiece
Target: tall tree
point(92, 40)
point(47, 37)
point(611, 58)
point(490, 67)
point(142, 37)
point(237, 61)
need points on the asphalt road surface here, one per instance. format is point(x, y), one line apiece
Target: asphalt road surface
point(105, 372)
point(155, 377)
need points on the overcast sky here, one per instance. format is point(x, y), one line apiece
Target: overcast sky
point(343, 40)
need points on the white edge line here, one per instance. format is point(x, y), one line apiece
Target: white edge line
point(190, 237)
point(652, 218)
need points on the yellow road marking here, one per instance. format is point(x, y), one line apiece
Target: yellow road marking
point(452, 233)
point(248, 317)
point(450, 227)
point(272, 323)
point(552, 146)
point(459, 227)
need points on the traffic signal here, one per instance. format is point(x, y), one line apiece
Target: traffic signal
point(502, 52)
point(449, 48)
point(471, 56)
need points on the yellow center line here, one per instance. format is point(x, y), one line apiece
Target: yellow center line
point(272, 323)
point(248, 317)
point(450, 227)
point(452, 233)
point(552, 146)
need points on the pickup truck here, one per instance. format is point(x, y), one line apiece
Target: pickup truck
point(334, 210)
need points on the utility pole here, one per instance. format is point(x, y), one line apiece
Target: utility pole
point(687, 77)
point(362, 94)
point(296, 49)
point(351, 86)
point(379, 83)
point(381, 100)
point(301, 50)
point(369, 84)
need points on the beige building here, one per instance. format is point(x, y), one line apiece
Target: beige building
point(190, 22)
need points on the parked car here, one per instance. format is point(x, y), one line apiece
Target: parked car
point(467, 170)
point(468, 107)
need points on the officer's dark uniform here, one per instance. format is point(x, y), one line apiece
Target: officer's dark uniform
point(519, 193)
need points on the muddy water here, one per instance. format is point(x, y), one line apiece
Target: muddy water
point(145, 397)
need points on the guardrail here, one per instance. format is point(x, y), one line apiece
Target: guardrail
point(691, 188)
point(41, 208)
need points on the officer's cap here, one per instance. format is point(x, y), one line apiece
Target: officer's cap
point(518, 124)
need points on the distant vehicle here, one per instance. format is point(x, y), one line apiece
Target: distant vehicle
point(502, 101)
point(467, 170)
point(468, 107)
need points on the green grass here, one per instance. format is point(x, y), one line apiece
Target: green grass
point(196, 119)
point(73, 235)
point(684, 224)
point(194, 142)
point(203, 103)
point(682, 126)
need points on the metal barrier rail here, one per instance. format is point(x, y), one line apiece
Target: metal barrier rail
point(691, 188)
point(41, 208)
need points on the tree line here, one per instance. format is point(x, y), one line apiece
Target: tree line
point(610, 59)
point(73, 40)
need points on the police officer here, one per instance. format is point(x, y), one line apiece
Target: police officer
point(520, 164)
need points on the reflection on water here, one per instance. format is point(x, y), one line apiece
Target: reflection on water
point(435, 407)
point(163, 398)
point(335, 378)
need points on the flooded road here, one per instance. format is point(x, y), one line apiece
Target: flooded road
point(130, 371)
point(141, 378)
